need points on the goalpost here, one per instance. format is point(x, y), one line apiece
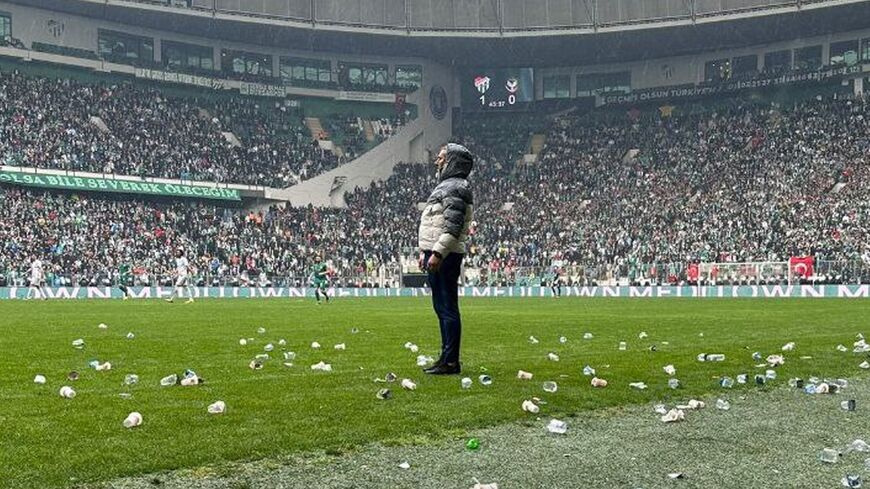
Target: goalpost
point(748, 273)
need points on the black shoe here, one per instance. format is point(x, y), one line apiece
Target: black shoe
point(444, 369)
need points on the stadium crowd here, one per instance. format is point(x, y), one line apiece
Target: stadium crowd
point(637, 196)
point(132, 129)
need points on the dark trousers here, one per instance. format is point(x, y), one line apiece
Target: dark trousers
point(445, 300)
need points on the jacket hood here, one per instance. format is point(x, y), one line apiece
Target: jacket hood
point(459, 162)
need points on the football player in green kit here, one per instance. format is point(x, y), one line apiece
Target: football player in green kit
point(319, 279)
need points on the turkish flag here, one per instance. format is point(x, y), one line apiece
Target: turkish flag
point(801, 266)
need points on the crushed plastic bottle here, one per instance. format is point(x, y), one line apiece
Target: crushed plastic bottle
point(669, 369)
point(742, 378)
point(169, 380)
point(726, 382)
point(322, 366)
point(409, 384)
point(770, 374)
point(217, 407)
point(810, 389)
point(674, 383)
point(131, 379)
point(588, 371)
point(829, 456)
point(384, 394)
point(557, 426)
point(485, 380)
point(660, 409)
point(723, 405)
point(673, 416)
point(466, 382)
point(262, 356)
point(39, 379)
point(550, 386)
point(858, 446)
point(78, 344)
point(67, 392)
point(103, 326)
point(132, 420)
point(269, 347)
point(760, 379)
point(530, 407)
point(852, 481)
point(523, 375)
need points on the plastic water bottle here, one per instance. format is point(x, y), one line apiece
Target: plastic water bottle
point(829, 456)
point(550, 387)
point(622, 346)
point(169, 380)
point(715, 357)
point(674, 383)
point(557, 426)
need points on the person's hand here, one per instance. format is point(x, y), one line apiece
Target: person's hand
point(420, 262)
point(434, 263)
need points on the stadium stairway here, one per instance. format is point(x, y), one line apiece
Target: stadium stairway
point(369, 130)
point(315, 127)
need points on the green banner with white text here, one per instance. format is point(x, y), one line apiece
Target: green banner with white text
point(93, 184)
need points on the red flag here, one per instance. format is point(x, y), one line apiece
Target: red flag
point(801, 266)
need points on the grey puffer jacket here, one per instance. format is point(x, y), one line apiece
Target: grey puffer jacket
point(447, 216)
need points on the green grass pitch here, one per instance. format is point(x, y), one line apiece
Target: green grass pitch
point(48, 441)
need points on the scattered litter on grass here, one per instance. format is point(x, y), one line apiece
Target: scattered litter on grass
point(865, 365)
point(404, 465)
point(533, 340)
point(770, 374)
point(852, 481)
point(282, 342)
point(103, 326)
point(660, 409)
point(73, 375)
point(39, 379)
point(637, 385)
point(255, 364)
point(587, 336)
point(642, 335)
point(563, 339)
point(557, 426)
point(522, 375)
point(693, 404)
point(103, 367)
point(408, 384)
point(726, 382)
point(423, 360)
point(622, 346)
point(829, 456)
point(588, 371)
point(466, 382)
point(673, 416)
point(848, 405)
point(130, 335)
point(78, 344)
point(711, 357)
point(269, 347)
point(289, 356)
point(410, 346)
point(169, 380)
point(676, 475)
point(384, 394)
point(775, 360)
point(243, 342)
point(723, 405)
point(322, 366)
point(132, 420)
point(315, 345)
point(858, 446)
point(669, 369)
point(742, 378)
point(842, 348)
point(861, 346)
point(485, 380)
point(552, 357)
point(125, 395)
point(340, 347)
point(674, 383)
point(530, 407)
point(288, 364)
point(217, 407)
point(472, 444)
point(67, 392)
point(550, 387)
point(261, 330)
point(131, 379)
point(596, 382)
point(788, 346)
point(478, 485)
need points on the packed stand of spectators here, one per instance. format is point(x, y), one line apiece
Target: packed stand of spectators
point(47, 123)
point(611, 195)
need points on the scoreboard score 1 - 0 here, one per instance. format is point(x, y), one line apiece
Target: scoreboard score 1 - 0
point(498, 89)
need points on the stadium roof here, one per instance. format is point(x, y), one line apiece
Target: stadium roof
point(576, 45)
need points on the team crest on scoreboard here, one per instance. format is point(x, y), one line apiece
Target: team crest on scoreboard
point(438, 102)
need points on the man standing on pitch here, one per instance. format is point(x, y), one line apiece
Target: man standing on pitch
point(442, 236)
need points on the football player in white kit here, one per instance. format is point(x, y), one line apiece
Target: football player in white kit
point(182, 277)
point(37, 280)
